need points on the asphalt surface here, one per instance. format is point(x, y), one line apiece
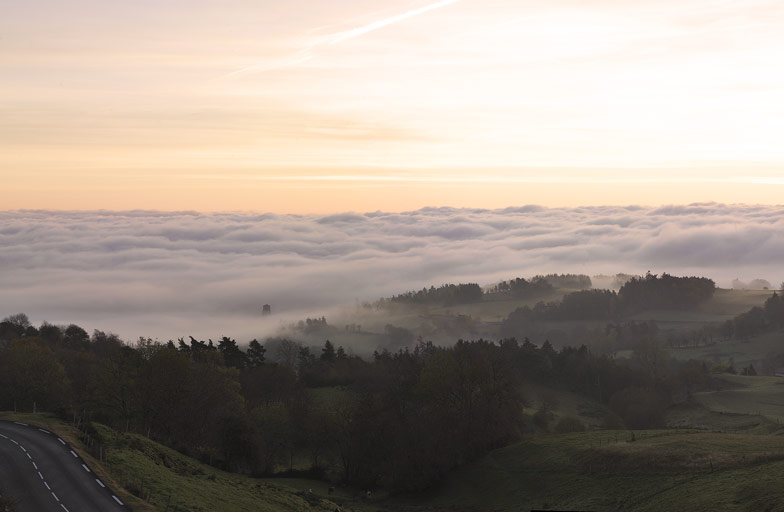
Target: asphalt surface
point(46, 475)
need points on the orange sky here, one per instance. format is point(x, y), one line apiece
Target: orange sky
point(311, 106)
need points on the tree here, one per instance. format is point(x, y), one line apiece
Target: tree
point(328, 352)
point(51, 334)
point(569, 424)
point(255, 354)
point(269, 383)
point(31, 377)
point(283, 351)
point(232, 355)
point(105, 344)
point(213, 402)
point(163, 412)
point(774, 310)
point(20, 320)
point(275, 422)
point(16, 326)
point(305, 360)
point(397, 337)
point(75, 337)
point(117, 374)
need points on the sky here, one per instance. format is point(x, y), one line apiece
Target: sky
point(314, 107)
point(172, 274)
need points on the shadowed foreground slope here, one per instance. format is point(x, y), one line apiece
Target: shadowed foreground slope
point(605, 470)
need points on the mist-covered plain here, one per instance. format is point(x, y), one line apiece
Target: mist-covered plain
point(171, 274)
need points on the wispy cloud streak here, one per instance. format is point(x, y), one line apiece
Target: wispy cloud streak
point(307, 53)
point(370, 27)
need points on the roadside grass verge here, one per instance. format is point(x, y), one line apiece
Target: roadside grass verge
point(72, 436)
point(139, 469)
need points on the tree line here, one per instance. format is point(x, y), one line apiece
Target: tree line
point(447, 294)
point(399, 420)
point(466, 293)
point(637, 295)
point(757, 320)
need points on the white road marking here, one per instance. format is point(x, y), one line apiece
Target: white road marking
point(41, 476)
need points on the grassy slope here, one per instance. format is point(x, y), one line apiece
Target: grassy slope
point(734, 302)
point(661, 470)
point(763, 396)
point(193, 486)
point(745, 352)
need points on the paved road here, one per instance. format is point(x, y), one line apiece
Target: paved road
point(46, 475)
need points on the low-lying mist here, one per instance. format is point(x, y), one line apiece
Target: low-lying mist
point(167, 275)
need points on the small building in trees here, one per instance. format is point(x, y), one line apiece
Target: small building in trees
point(266, 309)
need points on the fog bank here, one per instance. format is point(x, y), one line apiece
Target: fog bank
point(165, 275)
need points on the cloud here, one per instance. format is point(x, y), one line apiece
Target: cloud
point(171, 274)
point(370, 27)
point(307, 53)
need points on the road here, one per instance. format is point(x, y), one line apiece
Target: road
point(46, 475)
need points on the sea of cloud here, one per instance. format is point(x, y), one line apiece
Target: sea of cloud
point(172, 274)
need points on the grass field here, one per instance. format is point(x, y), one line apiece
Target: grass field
point(602, 470)
point(695, 415)
point(762, 396)
point(743, 352)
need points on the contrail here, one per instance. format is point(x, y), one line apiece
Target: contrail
point(351, 34)
point(305, 54)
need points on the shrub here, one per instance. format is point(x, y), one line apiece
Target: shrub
point(569, 424)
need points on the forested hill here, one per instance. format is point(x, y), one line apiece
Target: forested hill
point(465, 293)
point(398, 421)
point(636, 295)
